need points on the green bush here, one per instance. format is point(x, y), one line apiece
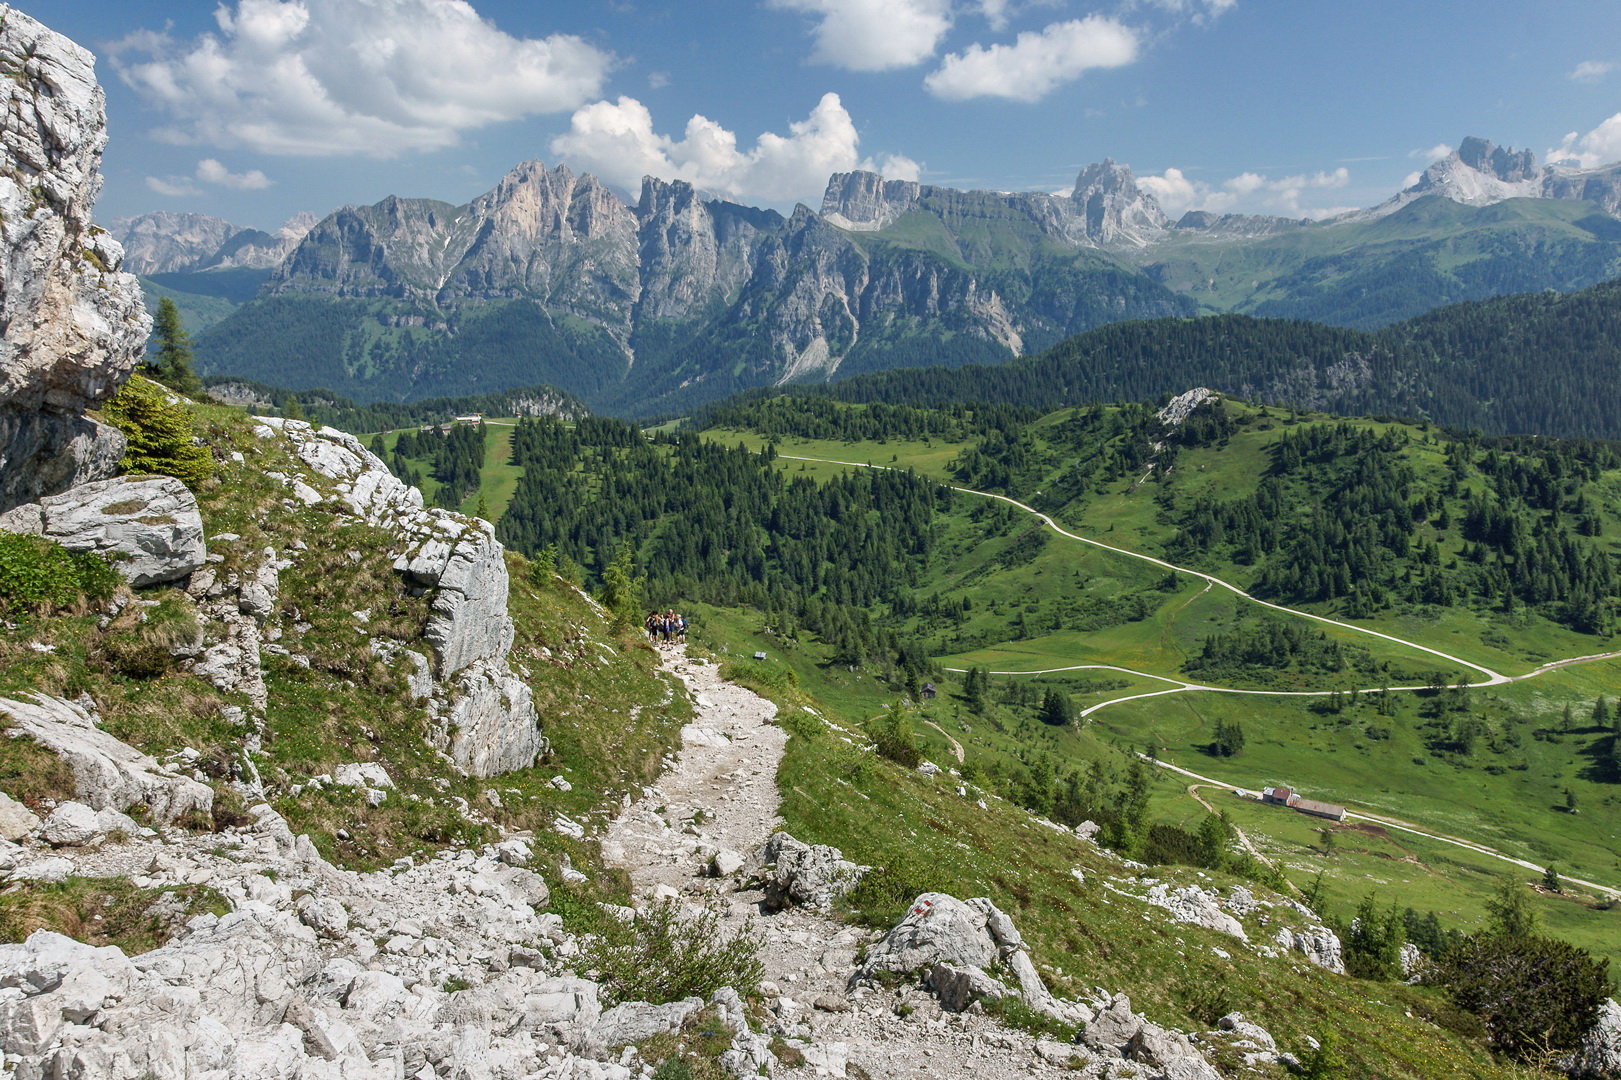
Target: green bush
point(1536, 995)
point(160, 434)
point(765, 677)
point(893, 738)
point(42, 575)
point(663, 955)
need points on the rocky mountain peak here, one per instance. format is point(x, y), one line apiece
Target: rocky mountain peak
point(1115, 208)
point(865, 201)
point(1480, 173)
point(1505, 163)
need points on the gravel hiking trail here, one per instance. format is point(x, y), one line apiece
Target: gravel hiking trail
point(720, 794)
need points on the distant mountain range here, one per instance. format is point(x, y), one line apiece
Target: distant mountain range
point(677, 300)
point(166, 243)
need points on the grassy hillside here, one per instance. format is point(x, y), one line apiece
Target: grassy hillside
point(331, 702)
point(1491, 765)
point(1431, 253)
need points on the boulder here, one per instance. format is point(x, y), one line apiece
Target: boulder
point(562, 1010)
point(107, 774)
point(148, 526)
point(725, 863)
point(1253, 1035)
point(16, 820)
point(327, 917)
point(75, 324)
point(936, 929)
point(362, 775)
point(1319, 944)
point(70, 824)
point(637, 1021)
point(811, 876)
point(515, 852)
point(1114, 1028)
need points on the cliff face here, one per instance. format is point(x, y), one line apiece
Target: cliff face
point(73, 323)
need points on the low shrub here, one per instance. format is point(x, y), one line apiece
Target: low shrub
point(893, 738)
point(663, 954)
point(1535, 995)
point(42, 575)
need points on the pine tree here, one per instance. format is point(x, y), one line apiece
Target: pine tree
point(171, 365)
point(159, 434)
point(622, 589)
point(1055, 708)
point(1601, 712)
point(1510, 911)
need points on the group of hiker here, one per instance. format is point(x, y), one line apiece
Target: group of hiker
point(666, 627)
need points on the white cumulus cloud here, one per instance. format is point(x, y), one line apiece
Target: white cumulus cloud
point(213, 172)
point(1592, 70)
point(1178, 193)
point(616, 140)
point(209, 171)
point(330, 77)
point(1248, 192)
point(1037, 62)
point(174, 187)
point(1601, 146)
point(1434, 153)
point(875, 35)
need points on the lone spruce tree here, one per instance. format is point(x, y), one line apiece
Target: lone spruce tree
point(170, 360)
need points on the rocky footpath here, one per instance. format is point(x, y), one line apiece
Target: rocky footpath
point(75, 324)
point(919, 1001)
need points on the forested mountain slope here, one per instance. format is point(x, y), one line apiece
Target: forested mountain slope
point(1544, 363)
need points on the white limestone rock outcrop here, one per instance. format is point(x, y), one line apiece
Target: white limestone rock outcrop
point(75, 324)
point(813, 876)
point(1192, 904)
point(148, 527)
point(1183, 405)
point(322, 974)
point(484, 714)
point(1317, 944)
point(954, 942)
point(107, 774)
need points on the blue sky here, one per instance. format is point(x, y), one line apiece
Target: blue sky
point(256, 109)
